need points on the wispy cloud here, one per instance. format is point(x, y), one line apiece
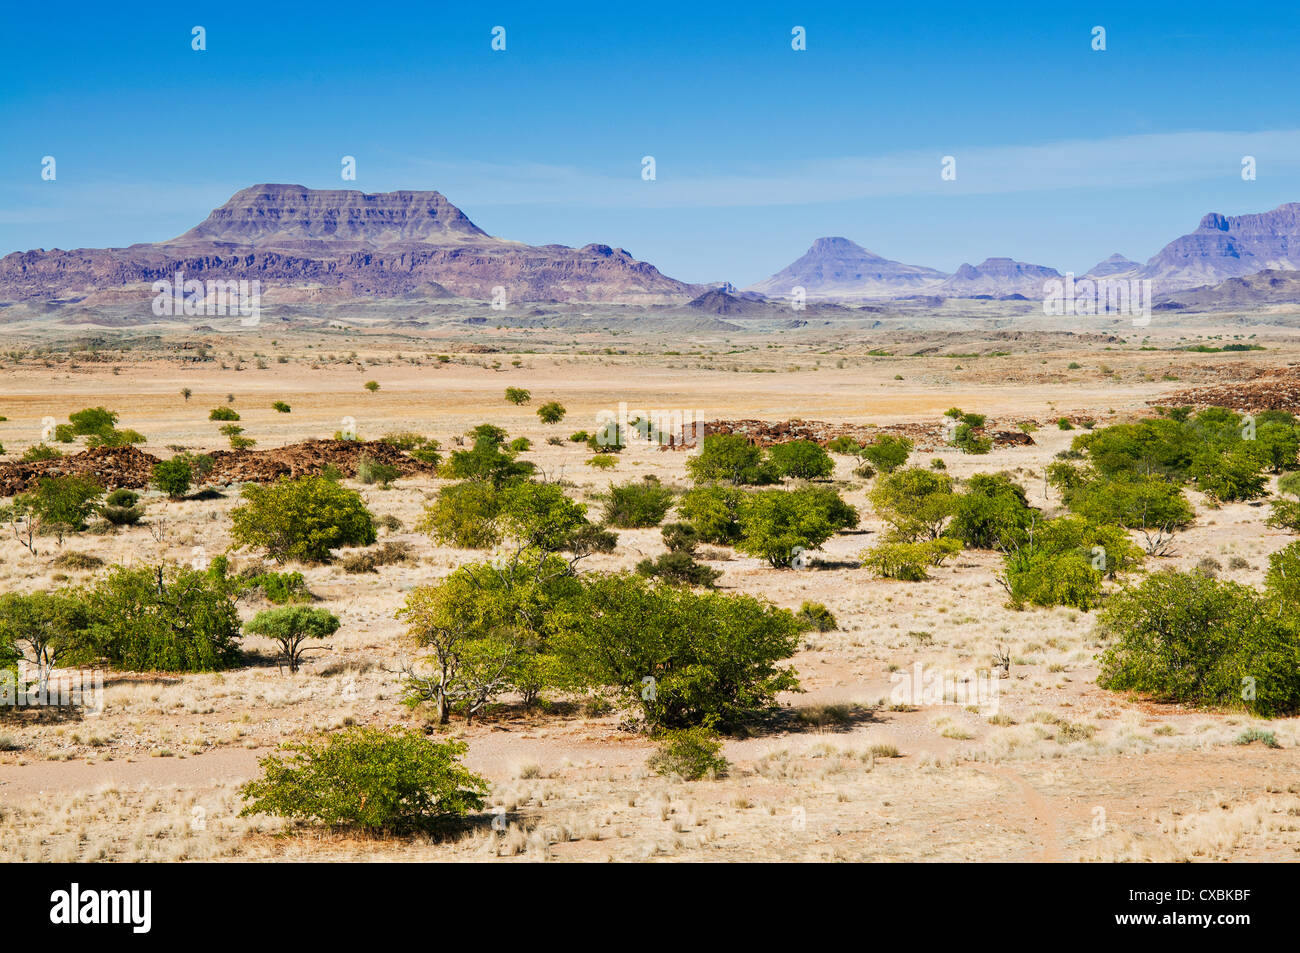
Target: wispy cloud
point(1116, 162)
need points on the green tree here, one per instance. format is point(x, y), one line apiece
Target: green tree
point(713, 512)
point(62, 504)
point(729, 458)
point(1190, 638)
point(465, 515)
point(993, 512)
point(638, 504)
point(887, 453)
point(164, 618)
point(301, 519)
point(551, 412)
point(49, 628)
point(518, 395)
point(780, 525)
point(369, 778)
point(800, 460)
point(684, 658)
point(917, 503)
point(173, 477)
point(488, 459)
point(291, 627)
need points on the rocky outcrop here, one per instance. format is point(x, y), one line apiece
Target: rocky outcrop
point(840, 269)
point(386, 245)
point(1224, 246)
point(998, 277)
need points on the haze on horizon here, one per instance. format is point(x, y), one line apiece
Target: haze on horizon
point(1065, 154)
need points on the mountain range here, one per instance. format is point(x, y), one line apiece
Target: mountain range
point(391, 244)
point(336, 244)
point(1221, 248)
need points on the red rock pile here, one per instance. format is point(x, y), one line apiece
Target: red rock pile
point(114, 467)
point(306, 459)
point(1274, 389)
point(923, 436)
point(111, 467)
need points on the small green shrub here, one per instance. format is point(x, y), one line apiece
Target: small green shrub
point(638, 504)
point(223, 413)
point(815, 617)
point(173, 477)
point(280, 407)
point(301, 519)
point(800, 460)
point(908, 561)
point(690, 754)
point(369, 778)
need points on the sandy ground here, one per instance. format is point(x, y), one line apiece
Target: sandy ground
point(1062, 771)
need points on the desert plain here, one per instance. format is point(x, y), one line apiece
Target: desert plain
point(1063, 771)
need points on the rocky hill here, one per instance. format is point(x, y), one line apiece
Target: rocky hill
point(386, 245)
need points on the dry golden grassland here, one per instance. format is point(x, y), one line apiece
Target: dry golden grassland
point(1062, 771)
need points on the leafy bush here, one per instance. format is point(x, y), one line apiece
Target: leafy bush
point(370, 470)
point(371, 386)
point(551, 412)
point(777, 525)
point(690, 754)
point(39, 452)
point(61, 504)
point(1190, 638)
point(916, 503)
point(602, 461)
point(844, 444)
point(638, 504)
point(465, 515)
point(679, 567)
point(164, 618)
point(374, 779)
point(887, 453)
point(908, 561)
point(968, 440)
point(93, 420)
point(280, 407)
point(518, 395)
point(488, 459)
point(729, 458)
point(815, 617)
point(301, 519)
point(223, 413)
point(292, 626)
point(173, 477)
point(800, 460)
point(580, 436)
point(713, 512)
point(685, 658)
point(993, 513)
point(121, 508)
point(1044, 578)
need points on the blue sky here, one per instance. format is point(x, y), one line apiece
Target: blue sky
point(1064, 154)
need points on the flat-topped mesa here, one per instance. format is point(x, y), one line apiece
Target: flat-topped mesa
point(268, 215)
point(1229, 246)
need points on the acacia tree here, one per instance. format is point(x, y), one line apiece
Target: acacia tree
point(291, 626)
point(50, 627)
